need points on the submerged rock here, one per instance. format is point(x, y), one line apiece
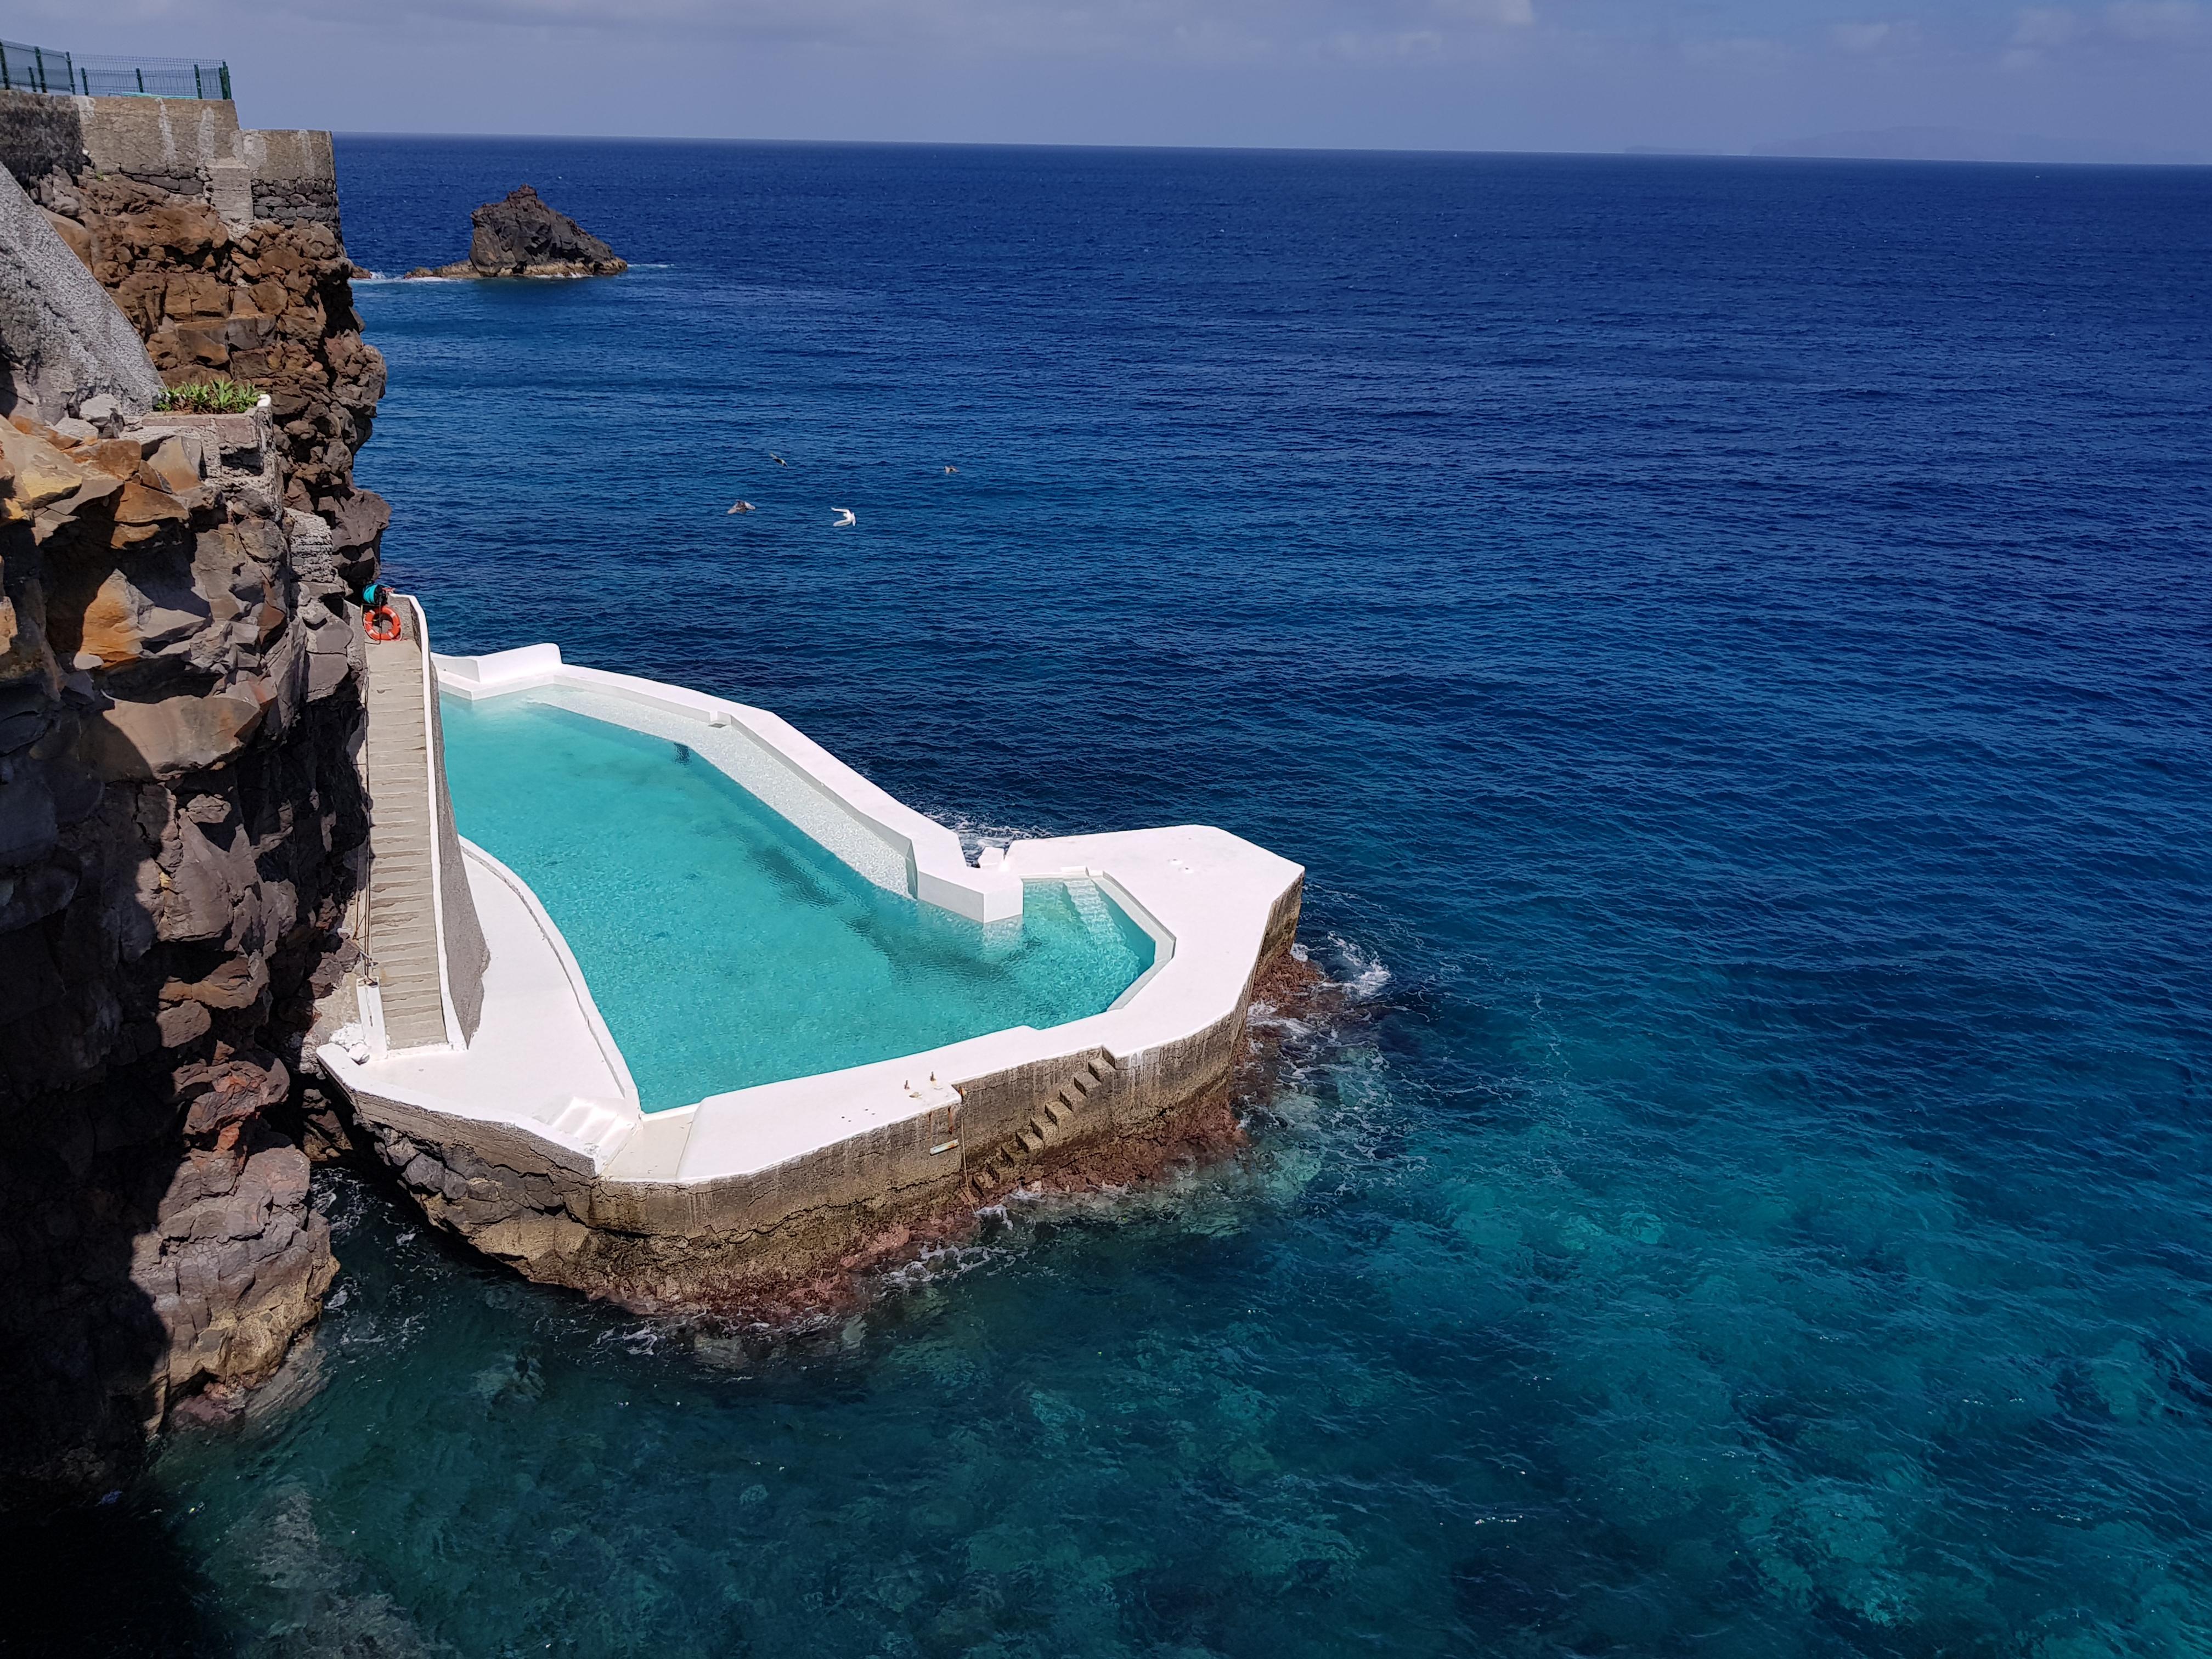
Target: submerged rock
point(522, 236)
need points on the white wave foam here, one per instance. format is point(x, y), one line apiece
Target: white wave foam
point(975, 834)
point(1365, 974)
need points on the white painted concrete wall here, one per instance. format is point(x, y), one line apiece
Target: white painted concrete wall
point(1207, 896)
point(884, 839)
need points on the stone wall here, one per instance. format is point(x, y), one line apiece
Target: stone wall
point(40, 135)
point(778, 1242)
point(294, 175)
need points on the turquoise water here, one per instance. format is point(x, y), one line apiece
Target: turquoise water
point(1729, 642)
point(726, 949)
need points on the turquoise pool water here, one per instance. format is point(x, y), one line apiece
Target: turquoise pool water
point(726, 949)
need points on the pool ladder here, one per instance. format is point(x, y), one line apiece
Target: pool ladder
point(1048, 1126)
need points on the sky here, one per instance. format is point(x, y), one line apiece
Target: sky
point(2120, 80)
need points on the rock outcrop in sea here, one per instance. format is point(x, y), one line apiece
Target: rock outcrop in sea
point(182, 822)
point(524, 236)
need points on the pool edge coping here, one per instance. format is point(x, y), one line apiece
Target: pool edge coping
point(1198, 981)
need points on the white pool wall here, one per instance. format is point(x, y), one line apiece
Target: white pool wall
point(883, 839)
point(531, 1144)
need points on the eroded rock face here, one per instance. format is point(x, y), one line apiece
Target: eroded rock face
point(271, 305)
point(180, 820)
point(522, 236)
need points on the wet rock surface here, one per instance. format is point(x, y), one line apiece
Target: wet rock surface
point(524, 236)
point(805, 1265)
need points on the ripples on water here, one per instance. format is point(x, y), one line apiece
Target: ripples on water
point(1729, 641)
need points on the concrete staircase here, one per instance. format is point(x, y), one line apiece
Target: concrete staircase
point(1053, 1123)
point(598, 1127)
point(403, 917)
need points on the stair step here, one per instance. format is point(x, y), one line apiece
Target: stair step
point(585, 1121)
point(1059, 1111)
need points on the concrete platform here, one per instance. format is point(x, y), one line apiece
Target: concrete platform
point(532, 1142)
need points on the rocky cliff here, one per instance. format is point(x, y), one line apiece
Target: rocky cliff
point(181, 818)
point(271, 304)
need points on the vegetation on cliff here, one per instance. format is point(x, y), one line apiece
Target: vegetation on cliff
point(214, 397)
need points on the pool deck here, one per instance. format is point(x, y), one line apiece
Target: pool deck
point(530, 1141)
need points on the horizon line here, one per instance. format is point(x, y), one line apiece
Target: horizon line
point(1637, 153)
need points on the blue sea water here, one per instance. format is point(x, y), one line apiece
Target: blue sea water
point(1729, 641)
point(724, 948)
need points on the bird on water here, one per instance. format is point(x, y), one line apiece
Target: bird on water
point(742, 507)
point(845, 516)
point(951, 469)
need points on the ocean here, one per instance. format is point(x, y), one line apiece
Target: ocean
point(1729, 641)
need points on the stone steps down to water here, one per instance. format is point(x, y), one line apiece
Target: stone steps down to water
point(590, 1123)
point(1052, 1123)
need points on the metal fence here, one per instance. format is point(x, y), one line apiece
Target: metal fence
point(41, 68)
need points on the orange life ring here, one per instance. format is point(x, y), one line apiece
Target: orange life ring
point(380, 622)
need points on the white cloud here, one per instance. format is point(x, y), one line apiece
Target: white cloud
point(2042, 27)
point(1742, 51)
point(1204, 29)
point(1865, 39)
point(1509, 14)
point(2155, 19)
point(1862, 36)
point(2123, 27)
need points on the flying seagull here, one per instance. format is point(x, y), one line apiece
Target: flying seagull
point(742, 507)
point(951, 469)
point(777, 459)
point(844, 517)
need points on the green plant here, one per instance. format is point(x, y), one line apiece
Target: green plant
point(216, 396)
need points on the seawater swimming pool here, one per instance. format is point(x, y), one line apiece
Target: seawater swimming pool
point(725, 948)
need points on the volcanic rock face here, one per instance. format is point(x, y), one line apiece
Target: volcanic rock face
point(522, 236)
point(182, 823)
point(272, 305)
point(180, 814)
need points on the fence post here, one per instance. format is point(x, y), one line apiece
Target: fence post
point(141, 74)
point(5, 84)
point(225, 72)
point(198, 91)
point(38, 57)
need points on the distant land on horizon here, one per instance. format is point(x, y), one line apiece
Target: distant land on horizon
point(1871, 144)
point(1960, 144)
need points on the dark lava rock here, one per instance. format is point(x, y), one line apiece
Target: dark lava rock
point(522, 236)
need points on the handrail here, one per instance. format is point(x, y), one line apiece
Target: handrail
point(25, 68)
point(433, 761)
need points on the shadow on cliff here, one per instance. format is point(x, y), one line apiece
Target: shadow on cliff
point(94, 1582)
point(157, 1252)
